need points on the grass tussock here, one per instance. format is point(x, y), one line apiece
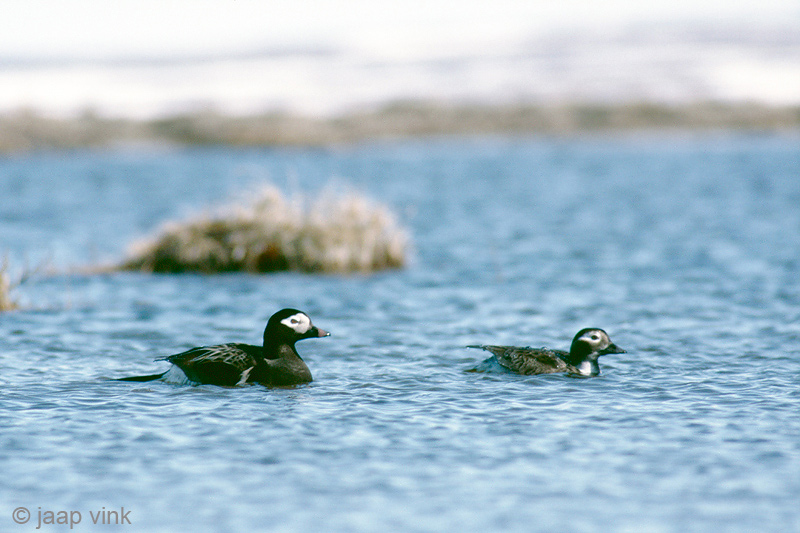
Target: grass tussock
point(9, 284)
point(334, 234)
point(7, 303)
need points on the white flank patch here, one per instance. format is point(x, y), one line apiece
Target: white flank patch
point(175, 375)
point(299, 322)
point(244, 377)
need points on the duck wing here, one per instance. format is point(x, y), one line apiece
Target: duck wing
point(223, 364)
point(528, 360)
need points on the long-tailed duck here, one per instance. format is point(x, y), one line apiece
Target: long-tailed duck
point(587, 346)
point(276, 363)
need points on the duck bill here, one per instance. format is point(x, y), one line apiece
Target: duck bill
point(316, 332)
point(612, 348)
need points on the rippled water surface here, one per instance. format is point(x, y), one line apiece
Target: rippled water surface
point(686, 249)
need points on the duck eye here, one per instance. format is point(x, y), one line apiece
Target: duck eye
point(295, 321)
point(595, 337)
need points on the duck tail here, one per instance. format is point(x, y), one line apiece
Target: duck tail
point(150, 377)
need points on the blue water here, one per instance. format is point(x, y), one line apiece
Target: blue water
point(685, 248)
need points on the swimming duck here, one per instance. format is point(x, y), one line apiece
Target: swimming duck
point(587, 345)
point(275, 363)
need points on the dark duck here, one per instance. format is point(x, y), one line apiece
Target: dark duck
point(276, 363)
point(581, 360)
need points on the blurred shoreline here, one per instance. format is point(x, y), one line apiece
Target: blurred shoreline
point(27, 130)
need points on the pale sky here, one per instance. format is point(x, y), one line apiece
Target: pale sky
point(384, 50)
point(103, 28)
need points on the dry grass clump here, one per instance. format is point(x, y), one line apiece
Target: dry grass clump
point(6, 302)
point(7, 285)
point(337, 233)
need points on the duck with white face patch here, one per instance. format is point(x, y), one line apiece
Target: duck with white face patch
point(275, 363)
point(581, 359)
